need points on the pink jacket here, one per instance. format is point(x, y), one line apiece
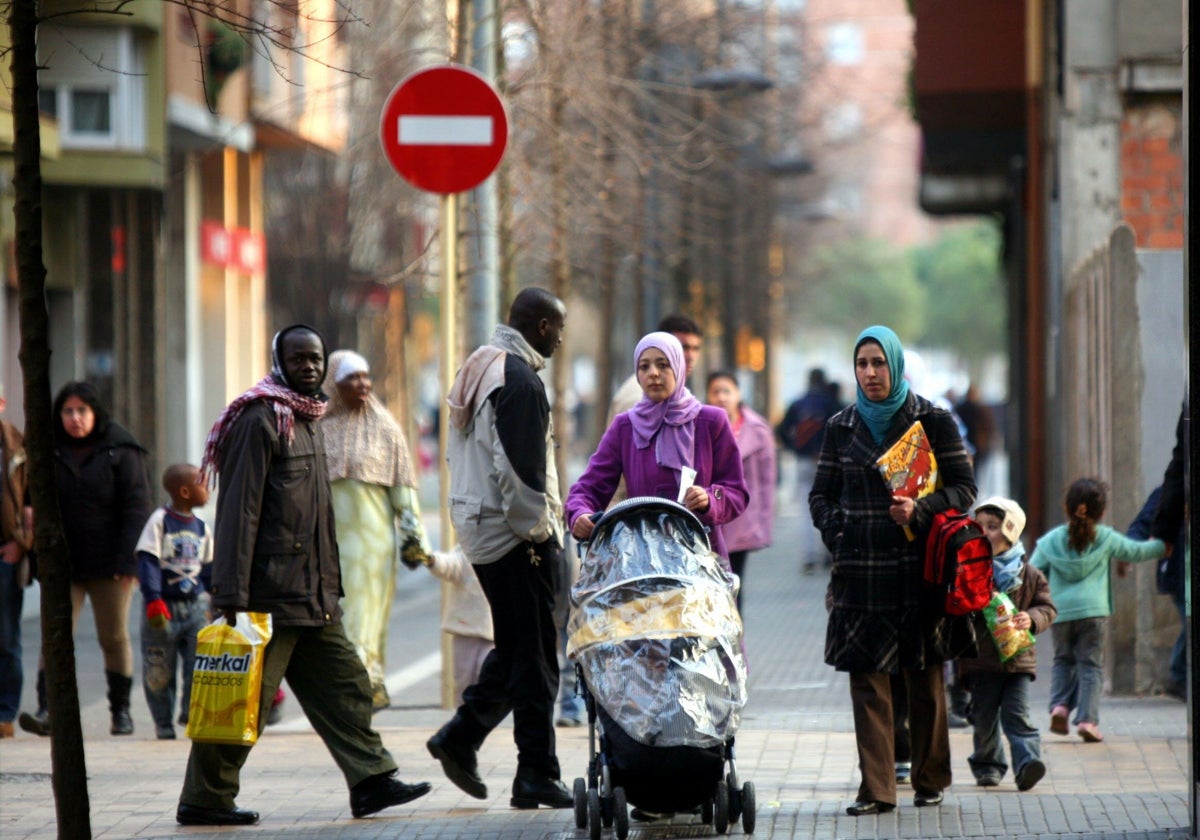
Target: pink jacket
point(752, 530)
point(717, 464)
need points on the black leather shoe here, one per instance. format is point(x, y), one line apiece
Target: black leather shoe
point(195, 815)
point(924, 800)
point(458, 763)
point(530, 793)
point(38, 724)
point(375, 793)
point(866, 808)
point(122, 723)
point(1030, 774)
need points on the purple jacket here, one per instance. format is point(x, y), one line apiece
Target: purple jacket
point(718, 465)
point(756, 441)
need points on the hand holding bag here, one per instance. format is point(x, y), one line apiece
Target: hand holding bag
point(227, 680)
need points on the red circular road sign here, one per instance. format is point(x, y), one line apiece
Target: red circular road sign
point(444, 129)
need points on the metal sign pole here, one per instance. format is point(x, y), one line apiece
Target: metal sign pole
point(447, 362)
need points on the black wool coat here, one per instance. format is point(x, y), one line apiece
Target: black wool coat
point(880, 618)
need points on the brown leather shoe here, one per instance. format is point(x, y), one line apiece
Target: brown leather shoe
point(6, 729)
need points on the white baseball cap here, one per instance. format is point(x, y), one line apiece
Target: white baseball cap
point(1014, 517)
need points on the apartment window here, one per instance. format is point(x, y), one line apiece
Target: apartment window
point(93, 82)
point(844, 43)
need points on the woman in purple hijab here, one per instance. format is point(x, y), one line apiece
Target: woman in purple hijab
point(652, 443)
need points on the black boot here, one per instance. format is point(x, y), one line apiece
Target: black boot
point(119, 686)
point(38, 724)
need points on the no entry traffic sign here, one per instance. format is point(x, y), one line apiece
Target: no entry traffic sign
point(444, 129)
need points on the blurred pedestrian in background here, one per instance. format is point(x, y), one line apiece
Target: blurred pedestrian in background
point(16, 541)
point(104, 496)
point(878, 623)
point(375, 508)
point(980, 423)
point(755, 441)
point(801, 432)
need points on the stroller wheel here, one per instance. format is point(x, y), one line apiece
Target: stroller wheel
point(581, 803)
point(593, 814)
point(748, 813)
point(735, 797)
point(721, 809)
point(620, 813)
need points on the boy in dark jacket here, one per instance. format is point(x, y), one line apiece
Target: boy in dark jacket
point(1000, 690)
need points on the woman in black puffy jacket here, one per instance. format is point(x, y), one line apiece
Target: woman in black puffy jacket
point(104, 497)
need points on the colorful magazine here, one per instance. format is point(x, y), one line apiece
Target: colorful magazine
point(909, 467)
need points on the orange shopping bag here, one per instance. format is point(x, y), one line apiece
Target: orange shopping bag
point(227, 680)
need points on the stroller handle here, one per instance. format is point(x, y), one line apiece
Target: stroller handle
point(639, 502)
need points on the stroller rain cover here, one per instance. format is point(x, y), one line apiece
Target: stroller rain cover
point(656, 629)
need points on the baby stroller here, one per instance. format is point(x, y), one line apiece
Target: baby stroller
point(656, 639)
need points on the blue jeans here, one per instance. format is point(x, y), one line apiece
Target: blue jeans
point(12, 600)
point(1001, 701)
point(166, 650)
point(1178, 668)
point(1077, 677)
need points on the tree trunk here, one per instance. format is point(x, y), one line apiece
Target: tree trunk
point(54, 567)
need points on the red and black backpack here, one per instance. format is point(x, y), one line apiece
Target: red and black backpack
point(958, 563)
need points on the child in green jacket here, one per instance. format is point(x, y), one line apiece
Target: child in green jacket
point(1076, 559)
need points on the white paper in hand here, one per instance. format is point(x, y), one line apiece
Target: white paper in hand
point(687, 475)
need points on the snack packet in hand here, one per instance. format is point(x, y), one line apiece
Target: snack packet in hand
point(1009, 640)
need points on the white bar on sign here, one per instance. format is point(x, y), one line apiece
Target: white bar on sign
point(445, 131)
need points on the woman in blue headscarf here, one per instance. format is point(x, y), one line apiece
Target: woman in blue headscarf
point(877, 626)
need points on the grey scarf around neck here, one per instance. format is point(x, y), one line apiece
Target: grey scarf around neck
point(509, 340)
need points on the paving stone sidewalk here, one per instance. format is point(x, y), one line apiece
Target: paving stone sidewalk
point(796, 744)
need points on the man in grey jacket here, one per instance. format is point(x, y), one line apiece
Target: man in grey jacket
point(275, 551)
point(504, 501)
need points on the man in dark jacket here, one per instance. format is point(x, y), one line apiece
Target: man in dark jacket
point(504, 501)
point(1170, 526)
point(275, 552)
point(801, 432)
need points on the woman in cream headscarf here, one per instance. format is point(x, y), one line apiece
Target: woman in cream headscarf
point(374, 495)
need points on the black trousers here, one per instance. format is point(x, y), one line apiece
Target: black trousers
point(520, 675)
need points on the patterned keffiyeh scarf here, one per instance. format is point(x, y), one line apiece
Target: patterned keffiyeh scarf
point(285, 402)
